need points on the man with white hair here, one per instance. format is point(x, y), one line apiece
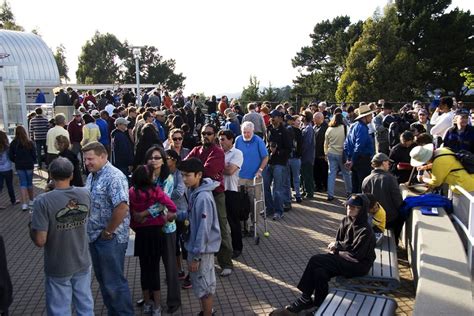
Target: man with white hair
point(255, 158)
point(256, 119)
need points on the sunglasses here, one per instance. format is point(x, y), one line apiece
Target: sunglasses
point(170, 158)
point(177, 138)
point(155, 158)
point(207, 133)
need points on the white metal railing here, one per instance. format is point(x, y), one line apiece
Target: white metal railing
point(469, 230)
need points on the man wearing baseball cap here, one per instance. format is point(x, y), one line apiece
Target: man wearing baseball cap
point(384, 186)
point(461, 135)
point(359, 147)
point(121, 146)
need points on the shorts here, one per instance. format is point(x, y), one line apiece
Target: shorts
point(204, 280)
point(26, 178)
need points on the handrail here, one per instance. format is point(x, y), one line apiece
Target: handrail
point(469, 230)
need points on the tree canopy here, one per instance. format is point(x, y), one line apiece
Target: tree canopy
point(7, 19)
point(60, 58)
point(252, 92)
point(104, 59)
point(322, 64)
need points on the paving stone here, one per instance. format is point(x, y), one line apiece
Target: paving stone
point(264, 278)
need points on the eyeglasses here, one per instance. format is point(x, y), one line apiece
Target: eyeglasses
point(155, 158)
point(207, 133)
point(175, 139)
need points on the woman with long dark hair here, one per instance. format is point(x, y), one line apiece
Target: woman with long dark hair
point(161, 176)
point(175, 142)
point(333, 149)
point(147, 205)
point(148, 138)
point(6, 169)
point(23, 154)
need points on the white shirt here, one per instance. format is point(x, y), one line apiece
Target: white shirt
point(235, 157)
point(441, 123)
point(110, 109)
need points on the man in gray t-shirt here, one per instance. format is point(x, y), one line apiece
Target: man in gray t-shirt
point(59, 225)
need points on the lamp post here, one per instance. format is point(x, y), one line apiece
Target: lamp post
point(136, 55)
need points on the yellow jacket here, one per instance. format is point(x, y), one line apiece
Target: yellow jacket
point(442, 172)
point(90, 133)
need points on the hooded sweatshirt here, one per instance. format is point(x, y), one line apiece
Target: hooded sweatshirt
point(205, 233)
point(356, 236)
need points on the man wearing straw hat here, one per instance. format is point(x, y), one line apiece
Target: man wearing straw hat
point(442, 166)
point(359, 147)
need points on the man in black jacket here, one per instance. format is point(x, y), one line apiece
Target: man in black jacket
point(351, 254)
point(320, 170)
point(279, 146)
point(122, 146)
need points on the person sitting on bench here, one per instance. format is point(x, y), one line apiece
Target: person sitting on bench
point(351, 255)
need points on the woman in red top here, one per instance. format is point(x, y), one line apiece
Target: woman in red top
point(167, 100)
point(146, 200)
point(266, 118)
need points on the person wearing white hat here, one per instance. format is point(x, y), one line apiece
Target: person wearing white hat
point(359, 147)
point(442, 166)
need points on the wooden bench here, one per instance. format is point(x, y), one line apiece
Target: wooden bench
point(344, 302)
point(384, 276)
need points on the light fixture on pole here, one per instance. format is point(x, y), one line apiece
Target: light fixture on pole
point(136, 55)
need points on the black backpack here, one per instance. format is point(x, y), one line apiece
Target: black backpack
point(466, 158)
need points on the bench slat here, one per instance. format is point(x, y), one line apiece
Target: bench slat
point(378, 307)
point(335, 301)
point(367, 307)
point(345, 304)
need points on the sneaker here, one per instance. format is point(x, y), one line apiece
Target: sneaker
point(299, 200)
point(201, 313)
point(277, 217)
point(24, 207)
point(181, 275)
point(30, 204)
point(226, 272)
point(147, 308)
point(187, 283)
point(157, 311)
point(330, 198)
point(299, 305)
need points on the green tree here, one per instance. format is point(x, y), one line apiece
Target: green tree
point(100, 59)
point(269, 93)
point(321, 64)
point(60, 57)
point(7, 19)
point(379, 64)
point(153, 69)
point(442, 43)
point(252, 91)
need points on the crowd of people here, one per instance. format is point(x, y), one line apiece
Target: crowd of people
point(183, 181)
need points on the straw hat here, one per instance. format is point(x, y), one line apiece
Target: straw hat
point(421, 155)
point(364, 110)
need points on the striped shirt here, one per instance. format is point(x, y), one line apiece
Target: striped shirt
point(39, 126)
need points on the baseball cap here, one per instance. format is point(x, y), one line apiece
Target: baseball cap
point(275, 113)
point(95, 113)
point(381, 157)
point(121, 120)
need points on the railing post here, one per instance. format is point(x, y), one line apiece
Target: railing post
point(470, 246)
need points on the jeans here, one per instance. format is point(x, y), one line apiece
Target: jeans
point(294, 165)
point(40, 144)
point(26, 178)
point(108, 258)
point(60, 291)
point(8, 177)
point(335, 164)
point(274, 195)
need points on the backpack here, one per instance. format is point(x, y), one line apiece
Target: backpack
point(466, 158)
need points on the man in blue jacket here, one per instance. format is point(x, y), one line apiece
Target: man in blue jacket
point(203, 236)
point(359, 148)
point(122, 146)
